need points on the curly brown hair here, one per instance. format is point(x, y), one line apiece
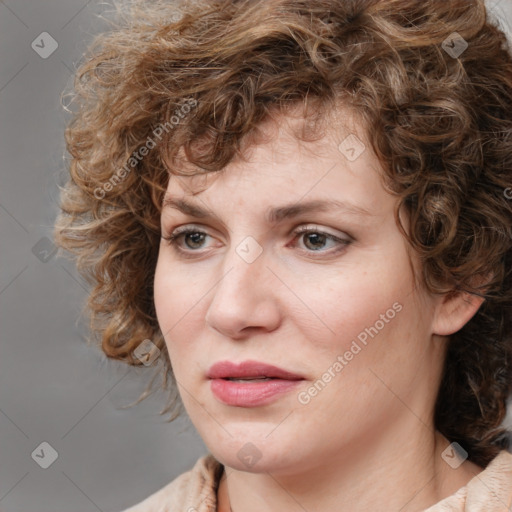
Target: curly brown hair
point(199, 80)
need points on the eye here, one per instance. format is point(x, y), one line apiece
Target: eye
point(190, 239)
point(193, 238)
point(316, 240)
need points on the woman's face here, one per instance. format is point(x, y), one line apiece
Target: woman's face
point(295, 261)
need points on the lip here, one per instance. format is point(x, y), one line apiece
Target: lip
point(250, 394)
point(247, 369)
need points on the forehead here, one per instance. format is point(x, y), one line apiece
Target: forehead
point(279, 166)
point(311, 128)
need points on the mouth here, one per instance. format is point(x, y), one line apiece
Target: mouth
point(251, 383)
point(250, 379)
point(249, 371)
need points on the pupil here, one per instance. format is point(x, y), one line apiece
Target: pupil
point(195, 237)
point(318, 240)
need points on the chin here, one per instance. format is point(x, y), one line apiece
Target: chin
point(254, 453)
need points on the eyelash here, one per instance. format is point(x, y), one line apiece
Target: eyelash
point(173, 238)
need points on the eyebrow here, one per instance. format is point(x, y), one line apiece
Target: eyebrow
point(277, 214)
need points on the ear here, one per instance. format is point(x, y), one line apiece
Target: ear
point(455, 310)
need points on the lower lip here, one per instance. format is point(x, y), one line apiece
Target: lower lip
point(252, 393)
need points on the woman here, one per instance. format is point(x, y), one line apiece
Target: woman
point(303, 207)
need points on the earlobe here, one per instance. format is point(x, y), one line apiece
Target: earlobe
point(454, 311)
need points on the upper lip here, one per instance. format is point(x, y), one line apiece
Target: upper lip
point(249, 369)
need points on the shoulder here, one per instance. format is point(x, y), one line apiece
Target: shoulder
point(192, 491)
point(489, 491)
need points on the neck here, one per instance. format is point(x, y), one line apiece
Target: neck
point(409, 477)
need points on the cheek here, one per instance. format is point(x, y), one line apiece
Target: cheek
point(179, 307)
point(378, 327)
point(165, 302)
point(356, 304)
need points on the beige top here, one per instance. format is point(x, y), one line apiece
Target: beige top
point(196, 490)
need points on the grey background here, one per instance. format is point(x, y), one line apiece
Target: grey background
point(54, 387)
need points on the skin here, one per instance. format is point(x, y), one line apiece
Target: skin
point(366, 441)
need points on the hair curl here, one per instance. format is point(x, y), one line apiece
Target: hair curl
point(440, 125)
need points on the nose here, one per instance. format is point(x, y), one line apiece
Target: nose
point(244, 300)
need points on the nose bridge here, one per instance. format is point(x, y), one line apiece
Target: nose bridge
point(244, 264)
point(243, 296)
point(244, 277)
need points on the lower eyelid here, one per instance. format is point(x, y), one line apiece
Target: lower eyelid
point(330, 251)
